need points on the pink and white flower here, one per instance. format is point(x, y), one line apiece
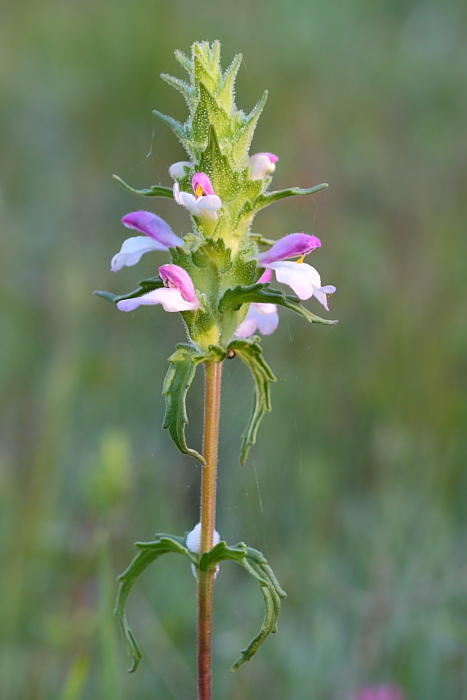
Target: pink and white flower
point(203, 203)
point(178, 294)
point(260, 317)
point(262, 164)
point(158, 236)
point(302, 278)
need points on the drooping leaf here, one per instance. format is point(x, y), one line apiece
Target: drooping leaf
point(251, 353)
point(144, 287)
point(264, 200)
point(262, 294)
point(154, 191)
point(179, 377)
point(149, 552)
point(257, 566)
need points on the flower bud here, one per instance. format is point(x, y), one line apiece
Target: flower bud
point(177, 170)
point(262, 164)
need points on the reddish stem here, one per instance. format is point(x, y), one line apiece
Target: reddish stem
point(212, 399)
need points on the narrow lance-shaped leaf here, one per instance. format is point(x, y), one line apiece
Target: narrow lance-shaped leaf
point(145, 286)
point(251, 354)
point(179, 377)
point(262, 294)
point(257, 566)
point(264, 200)
point(176, 126)
point(149, 552)
point(154, 191)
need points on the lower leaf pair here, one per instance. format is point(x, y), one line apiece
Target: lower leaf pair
point(251, 559)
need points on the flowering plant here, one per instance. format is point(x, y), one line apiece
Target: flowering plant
point(219, 279)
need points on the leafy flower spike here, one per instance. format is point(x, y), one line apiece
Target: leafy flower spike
point(204, 203)
point(158, 236)
point(178, 293)
point(302, 278)
point(219, 282)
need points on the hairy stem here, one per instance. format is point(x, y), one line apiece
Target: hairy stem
point(212, 399)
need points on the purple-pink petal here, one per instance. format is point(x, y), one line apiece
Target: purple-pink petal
point(203, 181)
point(153, 226)
point(265, 277)
point(271, 156)
point(288, 247)
point(176, 276)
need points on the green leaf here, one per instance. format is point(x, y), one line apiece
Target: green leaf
point(145, 286)
point(149, 552)
point(257, 566)
point(244, 136)
point(176, 126)
point(180, 375)
point(264, 200)
point(217, 166)
point(226, 93)
point(154, 191)
point(252, 355)
point(180, 85)
point(208, 113)
point(262, 294)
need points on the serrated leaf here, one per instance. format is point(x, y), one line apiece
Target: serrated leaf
point(252, 355)
point(176, 126)
point(179, 377)
point(145, 286)
point(149, 552)
point(244, 136)
point(154, 191)
point(257, 566)
point(264, 200)
point(262, 294)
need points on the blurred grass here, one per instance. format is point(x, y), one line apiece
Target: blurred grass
point(356, 491)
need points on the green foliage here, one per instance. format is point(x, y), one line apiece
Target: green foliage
point(145, 286)
point(149, 552)
point(250, 352)
point(264, 200)
point(257, 566)
point(251, 559)
point(260, 293)
point(180, 375)
point(154, 191)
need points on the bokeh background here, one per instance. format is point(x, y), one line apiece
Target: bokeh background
point(356, 490)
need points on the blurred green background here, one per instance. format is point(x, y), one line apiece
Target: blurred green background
point(356, 490)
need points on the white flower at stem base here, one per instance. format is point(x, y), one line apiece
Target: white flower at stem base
point(193, 543)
